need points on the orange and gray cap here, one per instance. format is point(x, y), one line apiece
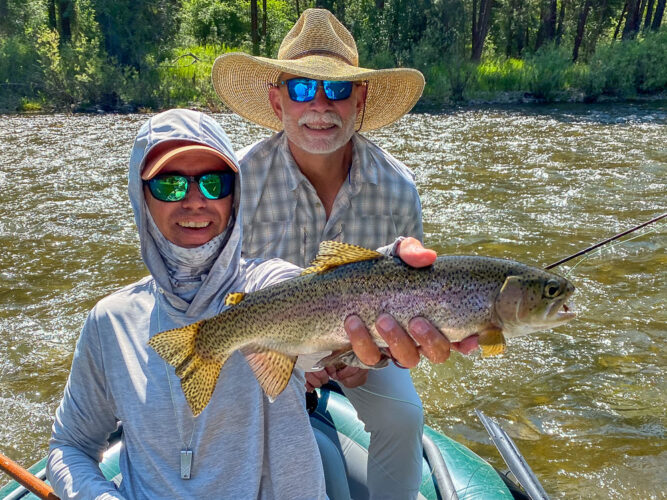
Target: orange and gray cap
point(163, 153)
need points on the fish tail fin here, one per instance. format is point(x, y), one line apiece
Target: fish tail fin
point(177, 345)
point(198, 375)
point(198, 379)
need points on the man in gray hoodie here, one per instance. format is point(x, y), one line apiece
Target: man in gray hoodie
point(181, 183)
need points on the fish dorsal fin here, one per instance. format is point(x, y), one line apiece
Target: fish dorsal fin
point(333, 254)
point(231, 299)
point(273, 369)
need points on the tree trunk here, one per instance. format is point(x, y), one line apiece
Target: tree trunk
point(51, 9)
point(657, 18)
point(509, 35)
point(4, 17)
point(474, 22)
point(620, 20)
point(580, 29)
point(480, 27)
point(559, 25)
point(632, 21)
point(649, 15)
point(547, 31)
point(642, 8)
point(298, 9)
point(254, 31)
point(325, 4)
point(340, 10)
point(267, 42)
point(603, 15)
point(379, 4)
point(65, 10)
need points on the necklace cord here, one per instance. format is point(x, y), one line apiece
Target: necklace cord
point(171, 393)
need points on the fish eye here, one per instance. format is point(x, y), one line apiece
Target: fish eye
point(551, 289)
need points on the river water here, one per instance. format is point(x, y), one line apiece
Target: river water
point(586, 404)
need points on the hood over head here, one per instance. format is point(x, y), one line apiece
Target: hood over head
point(197, 128)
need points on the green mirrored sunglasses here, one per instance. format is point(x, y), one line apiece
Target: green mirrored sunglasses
point(174, 187)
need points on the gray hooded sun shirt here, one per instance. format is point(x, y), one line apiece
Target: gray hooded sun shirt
point(244, 447)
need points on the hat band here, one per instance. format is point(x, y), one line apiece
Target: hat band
point(322, 53)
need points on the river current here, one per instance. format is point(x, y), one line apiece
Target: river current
point(586, 403)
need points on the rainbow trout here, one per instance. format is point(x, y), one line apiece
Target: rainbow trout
point(460, 295)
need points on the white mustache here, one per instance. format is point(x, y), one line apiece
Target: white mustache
point(326, 118)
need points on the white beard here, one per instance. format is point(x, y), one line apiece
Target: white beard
point(294, 129)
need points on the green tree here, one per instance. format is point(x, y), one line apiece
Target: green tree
point(135, 29)
point(215, 22)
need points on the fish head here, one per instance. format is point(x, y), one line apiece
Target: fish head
point(533, 300)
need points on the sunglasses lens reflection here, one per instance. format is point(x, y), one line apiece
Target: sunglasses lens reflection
point(214, 186)
point(337, 91)
point(304, 89)
point(169, 188)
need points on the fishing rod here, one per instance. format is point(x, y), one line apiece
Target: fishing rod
point(28, 480)
point(597, 245)
point(513, 458)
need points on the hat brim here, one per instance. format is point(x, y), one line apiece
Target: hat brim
point(242, 82)
point(152, 168)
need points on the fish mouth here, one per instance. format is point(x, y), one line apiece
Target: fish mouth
point(560, 312)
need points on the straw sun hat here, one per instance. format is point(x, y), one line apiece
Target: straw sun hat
point(318, 47)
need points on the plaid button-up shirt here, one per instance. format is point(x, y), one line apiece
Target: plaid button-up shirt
point(283, 216)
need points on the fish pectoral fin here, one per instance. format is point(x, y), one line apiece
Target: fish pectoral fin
point(492, 342)
point(231, 299)
point(332, 254)
point(273, 369)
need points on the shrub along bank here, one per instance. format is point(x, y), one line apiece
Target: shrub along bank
point(128, 55)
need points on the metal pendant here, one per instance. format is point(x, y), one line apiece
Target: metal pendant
point(186, 463)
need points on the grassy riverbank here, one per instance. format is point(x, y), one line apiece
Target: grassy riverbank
point(82, 79)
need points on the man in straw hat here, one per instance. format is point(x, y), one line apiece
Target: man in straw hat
point(319, 179)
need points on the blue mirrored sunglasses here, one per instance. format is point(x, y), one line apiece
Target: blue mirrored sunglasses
point(174, 187)
point(304, 89)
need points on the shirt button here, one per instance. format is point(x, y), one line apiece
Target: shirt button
point(160, 290)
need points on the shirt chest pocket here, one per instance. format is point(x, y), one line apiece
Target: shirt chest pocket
point(273, 239)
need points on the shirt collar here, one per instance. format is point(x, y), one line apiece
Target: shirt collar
point(364, 168)
point(293, 176)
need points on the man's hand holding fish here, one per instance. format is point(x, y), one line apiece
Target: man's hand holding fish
point(405, 349)
point(423, 338)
